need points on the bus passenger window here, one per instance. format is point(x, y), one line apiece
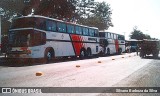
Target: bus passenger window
point(78, 30)
point(70, 28)
point(109, 35)
point(61, 27)
point(91, 32)
point(42, 25)
point(106, 35)
point(48, 25)
point(96, 33)
point(114, 36)
point(54, 27)
point(85, 31)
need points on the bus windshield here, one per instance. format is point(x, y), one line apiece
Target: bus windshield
point(20, 39)
point(26, 38)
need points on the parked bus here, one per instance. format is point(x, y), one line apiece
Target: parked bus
point(42, 37)
point(111, 43)
point(132, 45)
point(0, 35)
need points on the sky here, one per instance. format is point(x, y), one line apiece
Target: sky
point(126, 14)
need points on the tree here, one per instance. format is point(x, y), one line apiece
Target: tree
point(137, 34)
point(8, 10)
point(52, 8)
point(146, 36)
point(99, 16)
point(87, 12)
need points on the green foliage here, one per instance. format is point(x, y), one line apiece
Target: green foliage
point(137, 34)
point(99, 15)
point(87, 12)
point(8, 10)
point(56, 8)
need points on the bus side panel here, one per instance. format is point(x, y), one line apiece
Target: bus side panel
point(111, 46)
point(61, 43)
point(122, 45)
point(91, 42)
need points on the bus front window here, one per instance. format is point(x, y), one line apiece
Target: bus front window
point(20, 39)
point(26, 38)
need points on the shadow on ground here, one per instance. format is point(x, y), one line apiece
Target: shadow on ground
point(17, 63)
point(151, 57)
point(20, 63)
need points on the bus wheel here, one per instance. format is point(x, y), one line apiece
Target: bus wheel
point(82, 54)
point(49, 56)
point(108, 51)
point(89, 53)
point(119, 51)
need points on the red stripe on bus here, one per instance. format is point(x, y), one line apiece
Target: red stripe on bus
point(116, 45)
point(77, 45)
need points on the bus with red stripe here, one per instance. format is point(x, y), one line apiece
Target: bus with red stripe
point(111, 43)
point(43, 37)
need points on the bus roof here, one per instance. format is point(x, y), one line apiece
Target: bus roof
point(39, 16)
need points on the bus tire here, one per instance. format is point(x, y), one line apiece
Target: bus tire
point(82, 53)
point(49, 55)
point(89, 53)
point(108, 51)
point(119, 51)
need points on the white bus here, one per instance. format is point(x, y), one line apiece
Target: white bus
point(42, 37)
point(111, 43)
point(0, 35)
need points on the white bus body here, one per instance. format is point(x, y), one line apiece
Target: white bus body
point(111, 43)
point(43, 37)
point(0, 35)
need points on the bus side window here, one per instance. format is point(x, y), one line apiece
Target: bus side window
point(70, 28)
point(106, 35)
point(91, 32)
point(54, 26)
point(96, 33)
point(64, 27)
point(48, 25)
point(109, 35)
point(85, 31)
point(43, 25)
point(115, 36)
point(112, 36)
point(61, 27)
point(78, 30)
